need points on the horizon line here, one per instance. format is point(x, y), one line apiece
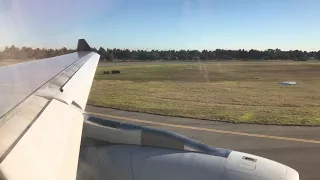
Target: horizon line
point(159, 49)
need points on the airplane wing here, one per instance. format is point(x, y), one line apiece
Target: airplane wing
point(41, 114)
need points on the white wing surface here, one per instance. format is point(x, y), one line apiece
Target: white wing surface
point(41, 115)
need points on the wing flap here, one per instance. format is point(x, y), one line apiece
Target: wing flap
point(19, 81)
point(50, 148)
point(18, 121)
point(79, 85)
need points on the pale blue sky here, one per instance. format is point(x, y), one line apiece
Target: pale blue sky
point(162, 24)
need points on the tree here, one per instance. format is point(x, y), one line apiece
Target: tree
point(318, 55)
point(211, 55)
point(153, 55)
point(254, 54)
point(50, 53)
point(126, 54)
point(109, 56)
point(183, 55)
point(2, 55)
point(143, 55)
point(194, 55)
point(103, 54)
point(204, 55)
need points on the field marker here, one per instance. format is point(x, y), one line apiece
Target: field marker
point(207, 129)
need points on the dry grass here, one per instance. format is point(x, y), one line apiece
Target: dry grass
point(235, 92)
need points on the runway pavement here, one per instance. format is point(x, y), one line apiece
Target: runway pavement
point(295, 146)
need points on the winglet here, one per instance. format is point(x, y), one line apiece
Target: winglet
point(83, 45)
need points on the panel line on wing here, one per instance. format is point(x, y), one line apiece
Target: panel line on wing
point(81, 64)
point(4, 155)
point(18, 101)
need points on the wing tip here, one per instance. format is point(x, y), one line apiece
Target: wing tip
point(83, 45)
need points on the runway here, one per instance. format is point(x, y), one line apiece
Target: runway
point(295, 146)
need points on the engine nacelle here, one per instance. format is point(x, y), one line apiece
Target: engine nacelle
point(119, 151)
point(123, 162)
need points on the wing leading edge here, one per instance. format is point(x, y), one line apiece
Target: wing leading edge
point(41, 112)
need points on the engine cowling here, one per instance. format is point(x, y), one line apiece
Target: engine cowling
point(123, 162)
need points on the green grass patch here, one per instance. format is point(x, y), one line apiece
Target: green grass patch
point(234, 92)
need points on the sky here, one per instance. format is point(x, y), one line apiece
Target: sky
point(162, 24)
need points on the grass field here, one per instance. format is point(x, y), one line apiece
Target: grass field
point(239, 92)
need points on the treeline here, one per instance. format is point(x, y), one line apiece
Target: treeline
point(144, 55)
point(218, 54)
point(27, 53)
